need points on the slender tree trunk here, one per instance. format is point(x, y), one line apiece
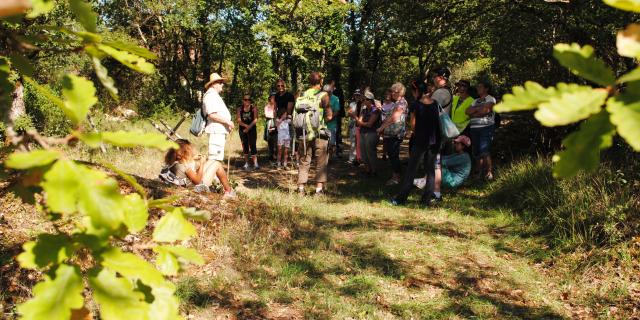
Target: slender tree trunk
point(294, 74)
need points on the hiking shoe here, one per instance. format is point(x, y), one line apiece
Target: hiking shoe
point(245, 167)
point(437, 199)
point(256, 167)
point(229, 195)
point(489, 176)
point(394, 202)
point(319, 193)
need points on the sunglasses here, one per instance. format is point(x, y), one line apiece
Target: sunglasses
point(245, 99)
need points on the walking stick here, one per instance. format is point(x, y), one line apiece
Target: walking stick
point(228, 156)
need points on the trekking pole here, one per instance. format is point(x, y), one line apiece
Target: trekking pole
point(228, 156)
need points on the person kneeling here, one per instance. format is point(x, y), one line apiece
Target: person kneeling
point(195, 169)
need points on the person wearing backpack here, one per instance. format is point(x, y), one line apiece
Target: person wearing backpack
point(312, 111)
point(482, 126)
point(219, 123)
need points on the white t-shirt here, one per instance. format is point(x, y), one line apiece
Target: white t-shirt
point(283, 129)
point(213, 103)
point(488, 119)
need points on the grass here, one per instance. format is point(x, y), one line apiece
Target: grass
point(350, 255)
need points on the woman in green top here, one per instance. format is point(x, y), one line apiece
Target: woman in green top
point(461, 102)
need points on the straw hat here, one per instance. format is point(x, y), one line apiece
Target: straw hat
point(213, 79)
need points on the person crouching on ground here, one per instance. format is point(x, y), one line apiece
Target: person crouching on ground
point(455, 167)
point(247, 118)
point(196, 169)
point(368, 124)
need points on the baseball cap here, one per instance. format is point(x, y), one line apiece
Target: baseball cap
point(463, 139)
point(442, 72)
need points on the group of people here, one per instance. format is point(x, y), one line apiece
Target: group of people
point(310, 123)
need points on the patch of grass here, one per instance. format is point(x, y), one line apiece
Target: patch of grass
point(188, 291)
point(590, 209)
point(359, 286)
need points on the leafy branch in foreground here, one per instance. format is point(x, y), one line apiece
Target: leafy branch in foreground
point(605, 109)
point(85, 203)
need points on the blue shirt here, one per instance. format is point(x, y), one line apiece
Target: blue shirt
point(455, 169)
point(335, 107)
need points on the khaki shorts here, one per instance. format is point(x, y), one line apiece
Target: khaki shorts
point(216, 146)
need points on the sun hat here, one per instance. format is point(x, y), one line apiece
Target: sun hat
point(463, 139)
point(213, 79)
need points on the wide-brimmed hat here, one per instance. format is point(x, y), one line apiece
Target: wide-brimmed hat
point(213, 78)
point(464, 140)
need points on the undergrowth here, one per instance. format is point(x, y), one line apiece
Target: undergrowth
point(598, 209)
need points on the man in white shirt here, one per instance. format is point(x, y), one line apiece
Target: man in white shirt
point(219, 123)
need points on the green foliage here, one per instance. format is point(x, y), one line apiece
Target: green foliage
point(84, 14)
point(36, 158)
point(117, 298)
point(570, 107)
point(173, 227)
point(48, 249)
point(91, 213)
point(568, 104)
point(40, 7)
point(55, 298)
point(582, 62)
point(583, 146)
point(629, 5)
point(625, 114)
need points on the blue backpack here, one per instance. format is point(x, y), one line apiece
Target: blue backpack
point(199, 121)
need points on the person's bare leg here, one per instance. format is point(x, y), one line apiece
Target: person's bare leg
point(224, 180)
point(255, 160)
point(279, 158)
point(438, 180)
point(285, 157)
point(488, 164)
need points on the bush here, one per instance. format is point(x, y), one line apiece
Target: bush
point(47, 118)
point(590, 209)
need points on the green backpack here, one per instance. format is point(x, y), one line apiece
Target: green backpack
point(308, 116)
